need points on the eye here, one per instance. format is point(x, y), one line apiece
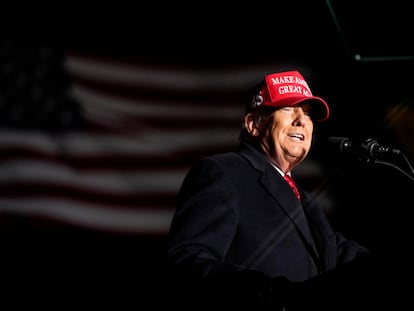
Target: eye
point(308, 113)
point(307, 110)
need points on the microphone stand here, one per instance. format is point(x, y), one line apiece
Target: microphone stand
point(373, 153)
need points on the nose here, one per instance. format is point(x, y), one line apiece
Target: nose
point(301, 116)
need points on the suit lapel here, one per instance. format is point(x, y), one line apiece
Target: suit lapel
point(281, 192)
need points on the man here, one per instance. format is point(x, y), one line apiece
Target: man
point(243, 232)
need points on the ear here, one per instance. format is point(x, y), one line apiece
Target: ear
point(250, 124)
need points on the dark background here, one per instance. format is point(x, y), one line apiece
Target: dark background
point(361, 56)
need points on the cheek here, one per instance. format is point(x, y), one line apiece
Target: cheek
point(274, 134)
point(310, 135)
point(270, 139)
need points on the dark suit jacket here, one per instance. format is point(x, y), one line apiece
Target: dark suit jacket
point(236, 212)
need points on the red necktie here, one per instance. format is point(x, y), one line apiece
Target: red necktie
point(292, 185)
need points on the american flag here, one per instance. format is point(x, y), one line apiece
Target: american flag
point(144, 124)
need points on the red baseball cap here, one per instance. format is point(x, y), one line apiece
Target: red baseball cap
point(286, 89)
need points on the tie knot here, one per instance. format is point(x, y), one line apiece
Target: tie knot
point(292, 185)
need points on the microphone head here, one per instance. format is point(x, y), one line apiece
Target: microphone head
point(344, 144)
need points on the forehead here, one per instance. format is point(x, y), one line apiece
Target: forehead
point(304, 105)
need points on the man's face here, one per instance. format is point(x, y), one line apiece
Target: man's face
point(288, 136)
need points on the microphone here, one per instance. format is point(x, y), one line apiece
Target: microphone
point(344, 144)
point(369, 147)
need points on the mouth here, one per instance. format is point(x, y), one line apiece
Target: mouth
point(296, 136)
